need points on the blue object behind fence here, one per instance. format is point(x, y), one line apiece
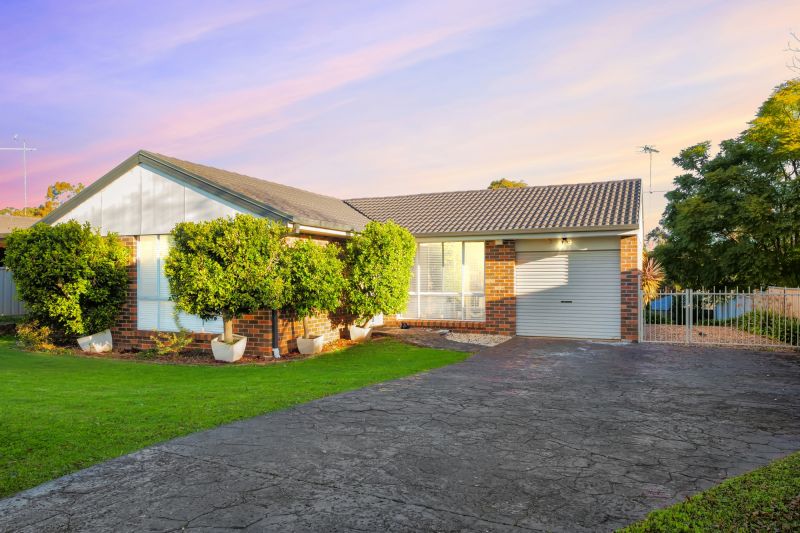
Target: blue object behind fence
point(736, 307)
point(661, 304)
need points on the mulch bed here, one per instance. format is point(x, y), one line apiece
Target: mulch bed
point(198, 357)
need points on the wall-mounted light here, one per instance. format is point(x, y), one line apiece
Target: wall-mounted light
point(565, 241)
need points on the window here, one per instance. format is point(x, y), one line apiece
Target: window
point(447, 282)
point(155, 311)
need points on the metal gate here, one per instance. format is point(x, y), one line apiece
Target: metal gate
point(769, 317)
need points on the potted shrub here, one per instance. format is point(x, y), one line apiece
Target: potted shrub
point(314, 285)
point(379, 262)
point(72, 279)
point(226, 268)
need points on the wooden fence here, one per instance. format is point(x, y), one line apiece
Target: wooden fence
point(781, 300)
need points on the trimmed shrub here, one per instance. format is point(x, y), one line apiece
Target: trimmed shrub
point(226, 267)
point(72, 279)
point(379, 262)
point(314, 277)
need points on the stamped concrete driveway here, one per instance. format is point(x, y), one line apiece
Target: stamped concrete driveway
point(531, 435)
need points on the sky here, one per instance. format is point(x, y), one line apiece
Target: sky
point(357, 98)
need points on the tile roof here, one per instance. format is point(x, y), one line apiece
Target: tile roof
point(302, 206)
point(11, 222)
point(583, 205)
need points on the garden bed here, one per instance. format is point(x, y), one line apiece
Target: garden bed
point(201, 357)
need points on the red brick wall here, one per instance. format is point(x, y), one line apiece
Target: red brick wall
point(501, 305)
point(501, 301)
point(256, 327)
point(629, 287)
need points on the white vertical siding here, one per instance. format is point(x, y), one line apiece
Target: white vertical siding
point(89, 211)
point(146, 202)
point(162, 203)
point(121, 202)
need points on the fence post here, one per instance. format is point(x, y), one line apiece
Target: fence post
point(688, 319)
point(640, 322)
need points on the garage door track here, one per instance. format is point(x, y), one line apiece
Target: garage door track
point(530, 435)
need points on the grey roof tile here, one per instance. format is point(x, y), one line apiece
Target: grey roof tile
point(583, 205)
point(304, 206)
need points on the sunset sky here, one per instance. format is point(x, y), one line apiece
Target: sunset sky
point(376, 98)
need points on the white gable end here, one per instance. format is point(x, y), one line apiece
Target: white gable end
point(144, 201)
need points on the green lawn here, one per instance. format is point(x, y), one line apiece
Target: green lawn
point(61, 413)
point(767, 499)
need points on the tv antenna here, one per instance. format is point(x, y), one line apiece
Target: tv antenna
point(24, 149)
point(649, 149)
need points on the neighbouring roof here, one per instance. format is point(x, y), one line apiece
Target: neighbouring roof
point(8, 223)
point(608, 204)
point(305, 206)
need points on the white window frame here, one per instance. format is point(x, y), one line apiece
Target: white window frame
point(463, 292)
point(213, 327)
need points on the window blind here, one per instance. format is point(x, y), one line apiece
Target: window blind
point(155, 311)
point(448, 282)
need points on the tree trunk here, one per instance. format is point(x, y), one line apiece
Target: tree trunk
point(305, 327)
point(227, 335)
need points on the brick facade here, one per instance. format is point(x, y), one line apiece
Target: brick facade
point(501, 304)
point(256, 327)
point(629, 287)
point(500, 261)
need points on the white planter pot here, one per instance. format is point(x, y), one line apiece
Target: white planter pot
point(359, 334)
point(311, 345)
point(228, 352)
point(97, 343)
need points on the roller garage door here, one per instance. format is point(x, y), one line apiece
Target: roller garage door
point(568, 294)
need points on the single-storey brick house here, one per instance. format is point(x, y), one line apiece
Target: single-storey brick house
point(558, 261)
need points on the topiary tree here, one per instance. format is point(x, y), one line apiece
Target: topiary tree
point(71, 278)
point(379, 262)
point(314, 279)
point(226, 267)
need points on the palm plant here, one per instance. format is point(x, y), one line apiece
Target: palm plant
point(652, 278)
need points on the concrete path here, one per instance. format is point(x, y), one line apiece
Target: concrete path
point(530, 435)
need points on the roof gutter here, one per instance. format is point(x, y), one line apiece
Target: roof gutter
point(315, 230)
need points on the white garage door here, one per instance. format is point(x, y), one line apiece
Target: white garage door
point(568, 294)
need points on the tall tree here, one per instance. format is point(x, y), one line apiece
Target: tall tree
point(734, 217)
point(505, 183)
point(57, 194)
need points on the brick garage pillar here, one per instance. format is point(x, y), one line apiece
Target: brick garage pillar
point(124, 330)
point(629, 287)
point(501, 302)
